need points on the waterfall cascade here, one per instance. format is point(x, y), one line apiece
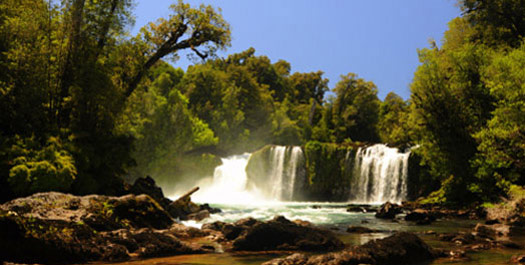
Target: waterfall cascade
point(230, 183)
point(380, 175)
point(283, 174)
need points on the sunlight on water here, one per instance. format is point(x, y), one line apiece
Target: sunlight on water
point(228, 184)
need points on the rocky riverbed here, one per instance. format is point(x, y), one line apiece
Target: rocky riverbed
point(62, 228)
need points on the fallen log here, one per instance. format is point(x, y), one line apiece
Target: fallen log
point(186, 195)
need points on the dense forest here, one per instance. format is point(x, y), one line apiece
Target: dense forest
point(86, 106)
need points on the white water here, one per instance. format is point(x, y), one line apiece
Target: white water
point(229, 184)
point(297, 154)
point(380, 175)
point(278, 154)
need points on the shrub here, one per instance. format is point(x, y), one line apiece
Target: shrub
point(37, 168)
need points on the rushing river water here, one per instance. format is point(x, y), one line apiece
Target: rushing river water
point(382, 175)
point(334, 217)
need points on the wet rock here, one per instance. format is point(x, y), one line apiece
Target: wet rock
point(400, 248)
point(296, 258)
point(361, 230)
point(154, 244)
point(492, 221)
point(303, 223)
point(362, 208)
point(182, 231)
point(209, 208)
point(457, 254)
point(518, 259)
point(492, 231)
point(420, 216)
point(199, 216)
point(282, 234)
point(388, 211)
point(508, 244)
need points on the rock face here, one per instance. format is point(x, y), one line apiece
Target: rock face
point(388, 211)
point(276, 234)
point(61, 228)
point(400, 248)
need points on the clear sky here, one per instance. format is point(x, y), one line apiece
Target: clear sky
point(376, 39)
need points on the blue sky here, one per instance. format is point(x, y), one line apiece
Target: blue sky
point(376, 39)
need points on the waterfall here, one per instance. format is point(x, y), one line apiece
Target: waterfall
point(380, 175)
point(230, 184)
point(297, 154)
point(283, 173)
point(277, 155)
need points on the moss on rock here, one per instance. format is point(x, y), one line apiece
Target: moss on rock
point(329, 169)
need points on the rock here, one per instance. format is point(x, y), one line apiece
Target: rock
point(61, 228)
point(492, 221)
point(154, 243)
point(296, 258)
point(420, 216)
point(360, 230)
point(199, 216)
point(148, 186)
point(388, 211)
point(141, 211)
point(232, 231)
point(508, 244)
point(209, 209)
point(282, 234)
point(356, 209)
point(400, 248)
point(187, 210)
point(492, 231)
point(518, 259)
point(182, 231)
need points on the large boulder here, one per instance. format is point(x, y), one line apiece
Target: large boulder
point(54, 227)
point(388, 211)
point(420, 216)
point(400, 248)
point(276, 234)
point(282, 234)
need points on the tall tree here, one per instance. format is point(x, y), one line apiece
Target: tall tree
point(356, 109)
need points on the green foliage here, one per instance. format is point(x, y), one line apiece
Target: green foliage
point(355, 109)
point(497, 22)
point(502, 141)
point(393, 121)
point(329, 170)
point(37, 168)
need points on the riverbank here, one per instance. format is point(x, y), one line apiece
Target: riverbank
point(62, 228)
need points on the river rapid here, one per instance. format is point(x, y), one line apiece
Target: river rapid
point(382, 175)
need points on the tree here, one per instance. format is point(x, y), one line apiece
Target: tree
point(355, 110)
point(496, 21)
point(502, 142)
point(187, 28)
point(393, 119)
point(449, 103)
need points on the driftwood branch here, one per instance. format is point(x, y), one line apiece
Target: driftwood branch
point(186, 195)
